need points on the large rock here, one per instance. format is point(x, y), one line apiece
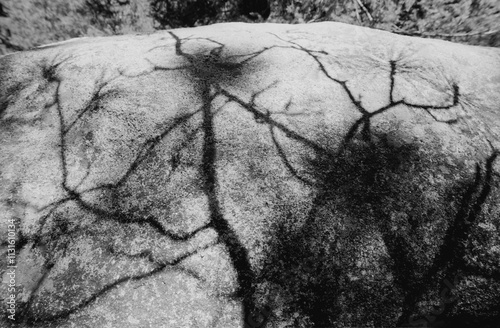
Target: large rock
point(248, 175)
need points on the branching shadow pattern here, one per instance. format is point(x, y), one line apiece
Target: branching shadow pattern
point(361, 174)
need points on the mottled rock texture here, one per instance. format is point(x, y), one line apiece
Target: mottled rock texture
point(244, 175)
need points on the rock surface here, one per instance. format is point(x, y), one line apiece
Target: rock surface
point(250, 175)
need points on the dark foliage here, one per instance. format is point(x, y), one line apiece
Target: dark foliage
point(179, 13)
point(175, 13)
point(253, 8)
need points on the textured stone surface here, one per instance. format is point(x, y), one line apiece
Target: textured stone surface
point(247, 175)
